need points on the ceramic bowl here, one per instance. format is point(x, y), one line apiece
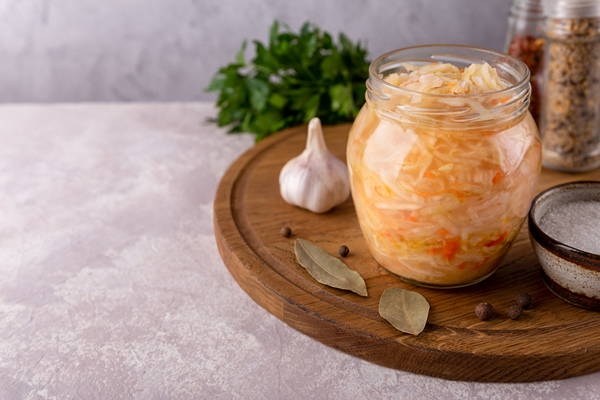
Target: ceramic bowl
point(564, 229)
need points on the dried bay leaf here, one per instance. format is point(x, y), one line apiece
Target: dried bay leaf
point(407, 311)
point(327, 269)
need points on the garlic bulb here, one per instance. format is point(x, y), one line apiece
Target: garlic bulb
point(316, 179)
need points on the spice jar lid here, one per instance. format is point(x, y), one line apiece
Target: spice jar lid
point(571, 8)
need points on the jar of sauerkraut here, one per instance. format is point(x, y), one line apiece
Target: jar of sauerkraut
point(444, 159)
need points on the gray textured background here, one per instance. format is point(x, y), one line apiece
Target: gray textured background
point(167, 50)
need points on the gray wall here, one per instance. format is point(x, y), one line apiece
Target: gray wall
point(167, 50)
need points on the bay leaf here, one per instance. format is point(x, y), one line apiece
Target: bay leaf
point(406, 310)
point(327, 269)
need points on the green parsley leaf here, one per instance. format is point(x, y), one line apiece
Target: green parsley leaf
point(295, 77)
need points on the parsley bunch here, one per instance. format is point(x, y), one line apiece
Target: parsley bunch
point(294, 78)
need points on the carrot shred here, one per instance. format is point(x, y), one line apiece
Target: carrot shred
point(451, 247)
point(435, 250)
point(442, 232)
point(498, 177)
point(497, 241)
point(460, 195)
point(485, 260)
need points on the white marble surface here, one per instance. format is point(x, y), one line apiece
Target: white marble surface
point(111, 285)
point(159, 50)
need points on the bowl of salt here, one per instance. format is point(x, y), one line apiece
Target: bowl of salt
point(564, 229)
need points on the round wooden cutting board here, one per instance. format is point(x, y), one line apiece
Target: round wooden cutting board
point(552, 340)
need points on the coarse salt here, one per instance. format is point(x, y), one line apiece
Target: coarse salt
point(576, 224)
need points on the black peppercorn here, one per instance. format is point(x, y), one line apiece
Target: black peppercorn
point(343, 250)
point(524, 301)
point(514, 312)
point(484, 311)
point(286, 231)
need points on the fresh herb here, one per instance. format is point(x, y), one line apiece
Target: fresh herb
point(293, 79)
point(327, 269)
point(407, 311)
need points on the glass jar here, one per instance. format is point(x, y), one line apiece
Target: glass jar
point(525, 40)
point(442, 183)
point(570, 122)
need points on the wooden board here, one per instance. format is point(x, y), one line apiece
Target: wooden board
point(553, 340)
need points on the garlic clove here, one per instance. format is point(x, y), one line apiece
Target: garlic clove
point(315, 180)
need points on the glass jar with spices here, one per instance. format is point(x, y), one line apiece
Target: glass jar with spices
point(525, 40)
point(570, 120)
point(443, 158)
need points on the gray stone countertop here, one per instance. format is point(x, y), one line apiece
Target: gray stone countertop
point(111, 285)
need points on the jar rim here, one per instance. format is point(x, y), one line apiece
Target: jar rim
point(451, 52)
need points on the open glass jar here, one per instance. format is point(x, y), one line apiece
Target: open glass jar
point(525, 40)
point(442, 183)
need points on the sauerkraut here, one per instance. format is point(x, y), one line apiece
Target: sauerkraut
point(444, 78)
point(441, 180)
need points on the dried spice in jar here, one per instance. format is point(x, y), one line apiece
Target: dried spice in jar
point(530, 50)
point(570, 123)
point(525, 40)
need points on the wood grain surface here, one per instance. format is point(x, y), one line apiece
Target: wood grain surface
point(552, 340)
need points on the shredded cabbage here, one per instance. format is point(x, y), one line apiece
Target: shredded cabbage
point(443, 78)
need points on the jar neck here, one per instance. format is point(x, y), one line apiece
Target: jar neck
point(580, 29)
point(460, 111)
point(571, 8)
point(531, 9)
